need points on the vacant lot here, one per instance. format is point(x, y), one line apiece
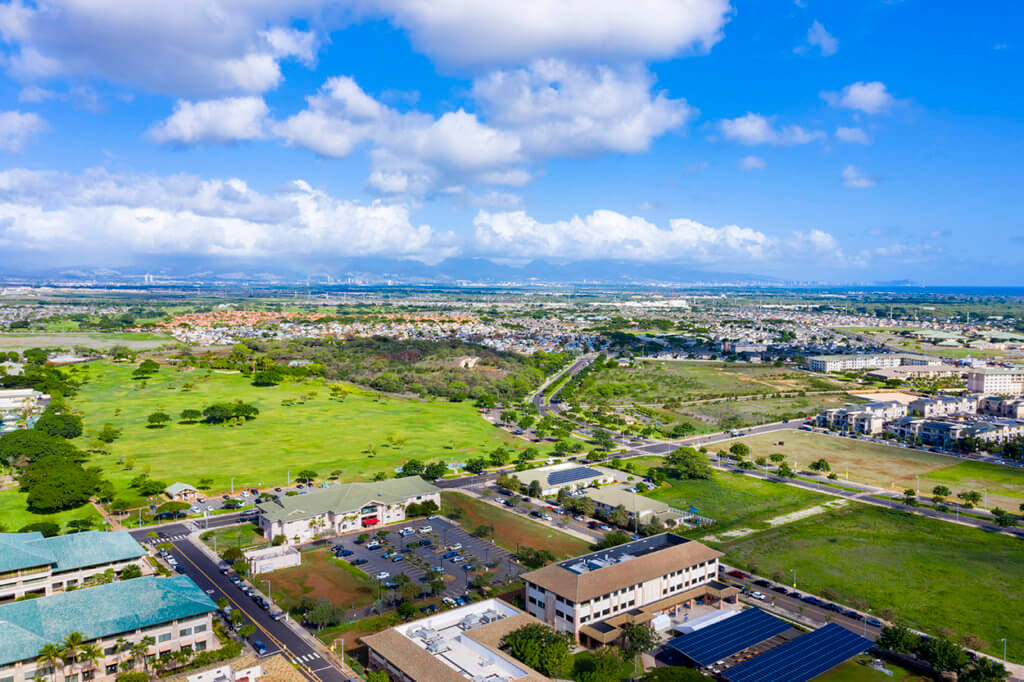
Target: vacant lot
point(928, 573)
point(244, 536)
point(98, 341)
point(734, 500)
point(511, 530)
point(300, 426)
point(734, 414)
point(886, 466)
point(321, 576)
point(659, 382)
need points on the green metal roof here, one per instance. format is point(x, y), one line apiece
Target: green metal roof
point(66, 552)
point(347, 497)
point(175, 488)
point(97, 612)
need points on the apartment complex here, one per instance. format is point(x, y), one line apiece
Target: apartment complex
point(592, 596)
point(173, 611)
point(940, 406)
point(998, 406)
point(857, 361)
point(947, 430)
point(453, 646)
point(31, 564)
point(861, 417)
point(996, 380)
point(343, 508)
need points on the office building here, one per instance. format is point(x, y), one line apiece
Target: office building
point(31, 564)
point(592, 596)
point(343, 508)
point(568, 475)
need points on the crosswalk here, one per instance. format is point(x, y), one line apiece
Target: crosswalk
point(168, 538)
point(308, 658)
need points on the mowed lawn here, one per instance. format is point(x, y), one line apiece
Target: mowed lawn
point(358, 436)
point(858, 670)
point(321, 576)
point(734, 500)
point(886, 465)
point(931, 574)
point(243, 536)
point(512, 530)
point(14, 514)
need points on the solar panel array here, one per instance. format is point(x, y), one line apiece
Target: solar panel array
point(803, 658)
point(570, 475)
point(720, 640)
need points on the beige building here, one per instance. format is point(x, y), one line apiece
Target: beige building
point(453, 646)
point(592, 596)
point(568, 475)
point(996, 381)
point(858, 361)
point(861, 417)
point(173, 611)
point(343, 508)
point(31, 564)
point(637, 506)
point(940, 406)
point(270, 559)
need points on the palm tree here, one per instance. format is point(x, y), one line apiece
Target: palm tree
point(121, 647)
point(71, 646)
point(90, 654)
point(50, 655)
point(140, 651)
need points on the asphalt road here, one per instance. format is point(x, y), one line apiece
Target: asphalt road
point(276, 636)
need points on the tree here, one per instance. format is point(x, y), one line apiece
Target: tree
point(49, 657)
point(910, 497)
point(941, 654)
point(247, 630)
point(56, 484)
point(619, 517)
point(637, 638)
point(60, 425)
point(476, 465)
point(158, 419)
point(604, 666)
point(499, 456)
point(776, 457)
point(534, 490)
point(413, 467)
point(603, 439)
point(689, 464)
point(306, 476)
point(820, 465)
point(539, 647)
point(377, 676)
point(741, 450)
point(406, 609)
point(434, 471)
point(24, 446)
point(941, 491)
point(985, 669)
point(173, 508)
point(131, 571)
point(270, 376)
point(108, 434)
point(190, 415)
point(89, 656)
point(897, 638)
point(612, 539)
point(785, 471)
point(436, 585)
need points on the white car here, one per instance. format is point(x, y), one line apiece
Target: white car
point(406, 531)
point(426, 529)
point(455, 548)
point(383, 575)
point(546, 517)
point(758, 596)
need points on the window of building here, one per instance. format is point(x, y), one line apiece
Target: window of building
point(88, 675)
point(201, 646)
point(110, 651)
point(7, 679)
point(112, 669)
point(199, 628)
point(184, 632)
point(164, 637)
point(73, 677)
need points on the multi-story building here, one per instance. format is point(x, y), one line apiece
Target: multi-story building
point(31, 564)
point(174, 612)
point(946, 431)
point(861, 417)
point(998, 406)
point(857, 361)
point(996, 380)
point(942, 405)
point(22, 400)
point(592, 596)
point(641, 509)
point(453, 646)
point(343, 508)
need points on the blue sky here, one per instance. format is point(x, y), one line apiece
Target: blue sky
point(812, 140)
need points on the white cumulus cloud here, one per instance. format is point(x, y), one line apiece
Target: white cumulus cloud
point(856, 178)
point(852, 135)
point(18, 128)
point(230, 119)
point(822, 39)
point(870, 98)
point(754, 129)
point(749, 163)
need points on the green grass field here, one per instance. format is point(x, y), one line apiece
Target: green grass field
point(359, 436)
point(734, 500)
point(512, 530)
point(929, 573)
point(857, 670)
point(244, 536)
point(95, 340)
point(884, 465)
point(734, 414)
point(14, 515)
point(661, 381)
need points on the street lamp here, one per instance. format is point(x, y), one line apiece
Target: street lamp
point(793, 571)
point(1003, 640)
point(232, 485)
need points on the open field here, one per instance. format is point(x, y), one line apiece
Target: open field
point(244, 536)
point(885, 465)
point(97, 340)
point(512, 530)
point(930, 574)
point(734, 500)
point(321, 576)
point(14, 515)
point(659, 382)
point(734, 414)
point(857, 670)
point(299, 426)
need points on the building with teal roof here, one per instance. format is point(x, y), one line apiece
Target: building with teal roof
point(33, 564)
point(174, 612)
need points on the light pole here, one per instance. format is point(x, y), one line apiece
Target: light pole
point(232, 485)
point(793, 571)
point(1003, 640)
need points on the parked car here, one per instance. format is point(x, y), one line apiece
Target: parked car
point(396, 558)
point(449, 602)
point(373, 545)
point(358, 562)
point(425, 529)
point(425, 543)
point(457, 559)
point(874, 622)
point(406, 531)
point(761, 582)
point(605, 527)
point(383, 575)
point(737, 574)
point(456, 547)
point(449, 555)
point(260, 647)
point(758, 596)
point(546, 517)
point(344, 552)
point(780, 589)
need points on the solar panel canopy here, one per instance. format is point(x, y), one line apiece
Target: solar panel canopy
point(570, 475)
point(720, 640)
point(803, 658)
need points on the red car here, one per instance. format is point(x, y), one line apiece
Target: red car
point(737, 574)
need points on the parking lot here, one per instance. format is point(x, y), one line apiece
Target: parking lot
point(444, 537)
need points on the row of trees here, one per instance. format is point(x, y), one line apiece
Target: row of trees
point(942, 654)
point(217, 413)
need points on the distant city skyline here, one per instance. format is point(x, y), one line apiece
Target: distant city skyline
point(789, 141)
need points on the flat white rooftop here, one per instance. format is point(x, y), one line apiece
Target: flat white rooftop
point(444, 637)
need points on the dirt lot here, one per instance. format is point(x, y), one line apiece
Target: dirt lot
point(323, 577)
